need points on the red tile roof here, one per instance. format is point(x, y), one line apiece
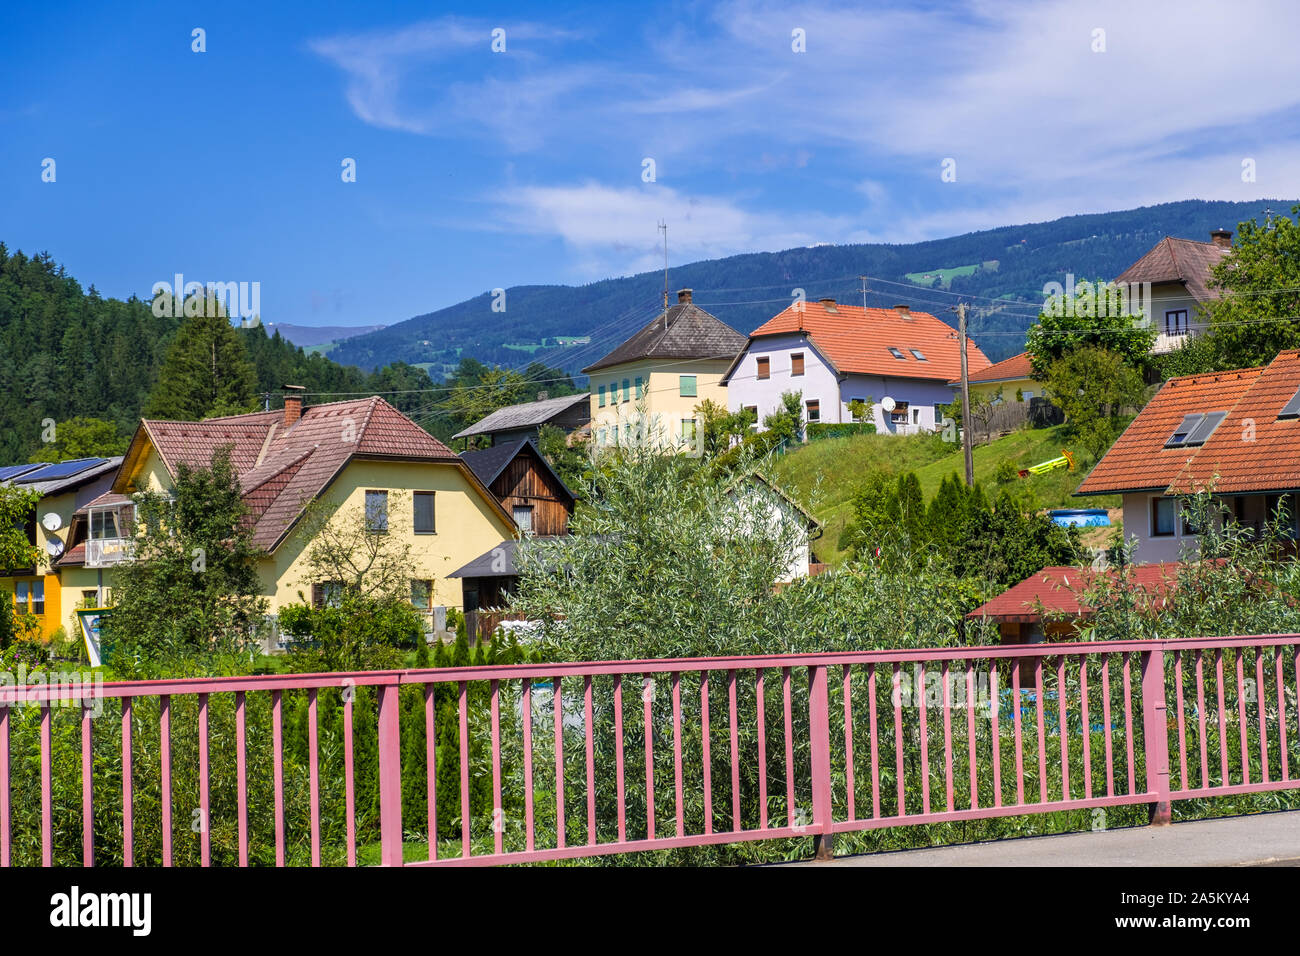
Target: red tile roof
point(1007, 370)
point(282, 469)
point(1178, 260)
point(1139, 459)
point(1056, 590)
point(858, 340)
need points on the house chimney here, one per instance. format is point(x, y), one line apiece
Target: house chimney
point(827, 301)
point(683, 296)
point(1222, 238)
point(292, 403)
point(903, 310)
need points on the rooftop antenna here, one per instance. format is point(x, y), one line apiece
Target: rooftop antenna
point(663, 227)
point(864, 292)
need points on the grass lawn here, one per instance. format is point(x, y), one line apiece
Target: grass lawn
point(828, 473)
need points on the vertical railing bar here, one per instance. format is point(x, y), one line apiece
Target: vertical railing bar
point(848, 741)
point(705, 743)
point(1182, 721)
point(647, 694)
point(87, 785)
point(618, 758)
point(1262, 711)
point(679, 796)
point(349, 781)
point(128, 826)
point(789, 747)
point(1017, 722)
point(1281, 711)
point(165, 770)
point(1200, 717)
point(1085, 720)
point(919, 695)
point(47, 783)
point(947, 736)
point(875, 742)
point(241, 775)
point(526, 708)
point(462, 705)
point(1128, 723)
point(897, 698)
point(1241, 714)
point(5, 822)
point(1042, 734)
point(970, 734)
point(761, 718)
point(995, 714)
point(498, 820)
point(313, 774)
point(1110, 730)
point(589, 726)
point(205, 831)
point(1223, 718)
point(734, 750)
point(1062, 707)
point(277, 745)
point(557, 708)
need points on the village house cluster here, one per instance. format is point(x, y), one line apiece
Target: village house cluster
point(464, 514)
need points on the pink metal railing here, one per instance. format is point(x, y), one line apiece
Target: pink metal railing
point(862, 740)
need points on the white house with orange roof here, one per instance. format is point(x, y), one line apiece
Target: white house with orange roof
point(898, 360)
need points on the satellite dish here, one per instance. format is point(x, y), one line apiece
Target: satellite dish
point(52, 521)
point(55, 547)
point(887, 403)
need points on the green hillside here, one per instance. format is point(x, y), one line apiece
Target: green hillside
point(1010, 263)
point(828, 473)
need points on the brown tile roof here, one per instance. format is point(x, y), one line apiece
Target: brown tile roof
point(282, 469)
point(854, 339)
point(1178, 260)
point(1008, 369)
point(1251, 450)
point(1139, 459)
point(1056, 590)
point(684, 331)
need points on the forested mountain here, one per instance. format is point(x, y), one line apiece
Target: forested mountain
point(1011, 263)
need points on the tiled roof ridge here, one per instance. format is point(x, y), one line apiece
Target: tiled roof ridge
point(296, 459)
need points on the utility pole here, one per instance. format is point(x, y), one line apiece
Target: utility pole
point(864, 292)
point(965, 396)
point(663, 226)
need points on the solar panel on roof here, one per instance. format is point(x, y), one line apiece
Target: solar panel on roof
point(13, 471)
point(1205, 428)
point(64, 469)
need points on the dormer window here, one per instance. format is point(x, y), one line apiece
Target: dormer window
point(898, 354)
point(1194, 429)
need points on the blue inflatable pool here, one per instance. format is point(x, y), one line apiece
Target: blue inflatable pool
point(1081, 517)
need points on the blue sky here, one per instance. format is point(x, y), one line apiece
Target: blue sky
point(478, 169)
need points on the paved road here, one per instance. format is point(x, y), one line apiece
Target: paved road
point(1263, 839)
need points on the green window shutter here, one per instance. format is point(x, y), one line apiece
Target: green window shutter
point(627, 389)
point(602, 396)
point(687, 387)
point(640, 389)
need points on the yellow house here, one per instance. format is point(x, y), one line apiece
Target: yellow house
point(1011, 376)
point(64, 487)
point(648, 387)
point(360, 457)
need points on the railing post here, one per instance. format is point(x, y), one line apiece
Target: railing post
point(819, 729)
point(1155, 733)
point(390, 776)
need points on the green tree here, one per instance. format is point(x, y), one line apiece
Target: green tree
point(1095, 389)
point(190, 596)
point(207, 372)
point(787, 421)
point(1257, 313)
point(16, 551)
point(81, 437)
point(1087, 320)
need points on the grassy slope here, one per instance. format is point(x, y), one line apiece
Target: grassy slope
point(827, 473)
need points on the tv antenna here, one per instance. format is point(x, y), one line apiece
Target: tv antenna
point(663, 227)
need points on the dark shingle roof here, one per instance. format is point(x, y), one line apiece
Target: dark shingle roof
point(526, 415)
point(1178, 260)
point(488, 463)
point(684, 331)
